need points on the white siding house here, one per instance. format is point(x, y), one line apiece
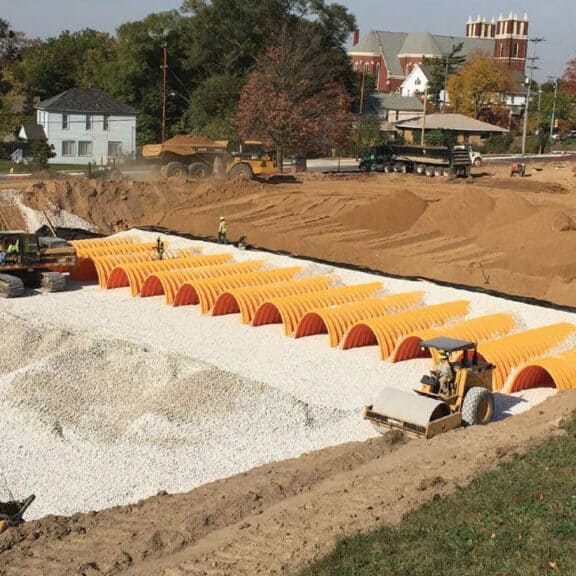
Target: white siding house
point(415, 83)
point(87, 125)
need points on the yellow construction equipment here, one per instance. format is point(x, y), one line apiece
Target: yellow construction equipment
point(11, 512)
point(459, 393)
point(33, 260)
point(200, 158)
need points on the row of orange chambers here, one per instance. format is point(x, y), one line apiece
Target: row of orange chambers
point(352, 316)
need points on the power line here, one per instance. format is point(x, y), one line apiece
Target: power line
point(531, 67)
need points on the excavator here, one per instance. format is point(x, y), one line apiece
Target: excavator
point(11, 512)
point(34, 261)
point(462, 396)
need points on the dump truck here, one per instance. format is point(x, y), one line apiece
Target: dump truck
point(462, 396)
point(33, 261)
point(199, 158)
point(429, 160)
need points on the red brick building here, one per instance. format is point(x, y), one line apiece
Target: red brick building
point(390, 56)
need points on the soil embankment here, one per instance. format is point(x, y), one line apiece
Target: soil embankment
point(515, 235)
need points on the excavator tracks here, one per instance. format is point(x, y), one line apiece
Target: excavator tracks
point(52, 281)
point(10, 286)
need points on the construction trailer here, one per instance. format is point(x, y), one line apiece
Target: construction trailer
point(452, 161)
point(199, 159)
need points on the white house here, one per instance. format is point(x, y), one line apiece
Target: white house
point(87, 125)
point(415, 82)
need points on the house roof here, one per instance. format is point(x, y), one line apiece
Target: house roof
point(420, 44)
point(392, 44)
point(455, 122)
point(380, 103)
point(86, 101)
point(31, 131)
point(395, 101)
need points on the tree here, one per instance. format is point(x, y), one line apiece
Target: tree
point(292, 101)
point(57, 64)
point(41, 153)
point(477, 85)
point(441, 69)
point(569, 79)
point(226, 38)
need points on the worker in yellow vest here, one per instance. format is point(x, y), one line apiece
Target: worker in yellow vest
point(222, 230)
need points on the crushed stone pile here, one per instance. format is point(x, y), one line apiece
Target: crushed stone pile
point(33, 219)
point(74, 401)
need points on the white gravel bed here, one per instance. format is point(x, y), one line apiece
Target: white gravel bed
point(107, 399)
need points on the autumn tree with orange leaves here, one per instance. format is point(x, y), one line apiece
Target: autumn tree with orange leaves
point(477, 85)
point(291, 100)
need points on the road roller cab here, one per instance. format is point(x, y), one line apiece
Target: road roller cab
point(457, 392)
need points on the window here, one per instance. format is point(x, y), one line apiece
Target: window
point(65, 122)
point(516, 50)
point(106, 123)
point(84, 148)
point(68, 148)
point(114, 149)
point(501, 50)
point(88, 122)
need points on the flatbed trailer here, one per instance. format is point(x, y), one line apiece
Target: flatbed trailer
point(429, 160)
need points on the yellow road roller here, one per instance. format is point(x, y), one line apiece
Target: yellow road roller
point(457, 392)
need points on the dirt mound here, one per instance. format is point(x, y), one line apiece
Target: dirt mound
point(272, 519)
point(395, 212)
point(189, 140)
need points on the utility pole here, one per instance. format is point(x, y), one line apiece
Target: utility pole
point(531, 67)
point(424, 116)
point(539, 107)
point(360, 112)
point(164, 74)
point(553, 116)
point(445, 83)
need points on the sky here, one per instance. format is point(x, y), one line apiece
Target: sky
point(552, 20)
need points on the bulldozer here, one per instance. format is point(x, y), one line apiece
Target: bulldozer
point(30, 260)
point(459, 394)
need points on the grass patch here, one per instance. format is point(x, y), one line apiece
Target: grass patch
point(518, 520)
point(22, 168)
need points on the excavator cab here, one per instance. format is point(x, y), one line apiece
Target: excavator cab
point(19, 248)
point(458, 391)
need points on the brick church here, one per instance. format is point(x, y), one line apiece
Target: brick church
point(390, 56)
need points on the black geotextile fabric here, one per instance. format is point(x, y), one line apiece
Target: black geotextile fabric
point(489, 292)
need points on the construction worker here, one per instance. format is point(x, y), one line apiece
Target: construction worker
point(14, 248)
point(443, 370)
point(222, 230)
